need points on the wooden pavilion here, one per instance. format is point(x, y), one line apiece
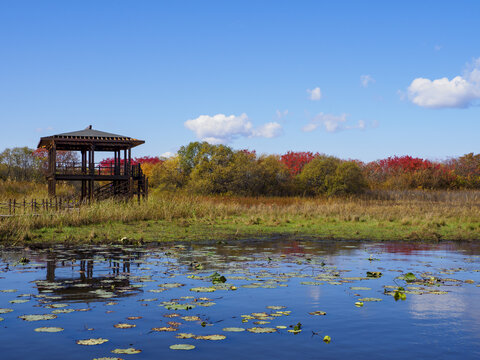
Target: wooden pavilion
point(119, 179)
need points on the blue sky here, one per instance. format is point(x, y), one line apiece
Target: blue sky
point(355, 79)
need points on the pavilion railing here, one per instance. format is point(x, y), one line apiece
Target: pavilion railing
point(98, 169)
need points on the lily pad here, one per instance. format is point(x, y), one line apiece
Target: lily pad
point(63, 311)
point(170, 285)
point(409, 277)
point(124, 326)
point(182, 347)
point(57, 306)
point(49, 329)
point(369, 299)
point(374, 274)
point(179, 306)
point(318, 312)
point(89, 342)
point(5, 311)
point(261, 330)
point(171, 315)
point(233, 329)
point(129, 351)
point(211, 337)
point(203, 289)
point(18, 301)
point(38, 317)
point(164, 329)
point(359, 288)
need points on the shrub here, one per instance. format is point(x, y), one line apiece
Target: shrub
point(348, 179)
point(167, 175)
point(318, 174)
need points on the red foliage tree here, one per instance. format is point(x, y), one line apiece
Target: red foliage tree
point(295, 161)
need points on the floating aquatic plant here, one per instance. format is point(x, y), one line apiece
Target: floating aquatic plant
point(90, 342)
point(49, 329)
point(262, 330)
point(182, 347)
point(38, 317)
point(233, 329)
point(124, 326)
point(128, 351)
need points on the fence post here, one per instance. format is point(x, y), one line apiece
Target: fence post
point(9, 206)
point(14, 204)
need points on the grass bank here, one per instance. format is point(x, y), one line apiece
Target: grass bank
point(167, 217)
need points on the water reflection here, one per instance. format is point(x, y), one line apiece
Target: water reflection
point(303, 276)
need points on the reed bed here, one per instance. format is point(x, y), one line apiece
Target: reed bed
point(422, 212)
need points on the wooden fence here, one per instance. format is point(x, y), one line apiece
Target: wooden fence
point(35, 206)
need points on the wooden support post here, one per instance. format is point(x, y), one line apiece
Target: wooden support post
point(92, 172)
point(125, 162)
point(129, 168)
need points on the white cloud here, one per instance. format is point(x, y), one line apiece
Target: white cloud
point(220, 128)
point(167, 154)
point(332, 123)
point(315, 94)
point(269, 130)
point(366, 79)
point(460, 92)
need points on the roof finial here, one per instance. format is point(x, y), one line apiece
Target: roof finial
point(89, 127)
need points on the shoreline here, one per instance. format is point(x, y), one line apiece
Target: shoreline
point(145, 232)
point(180, 217)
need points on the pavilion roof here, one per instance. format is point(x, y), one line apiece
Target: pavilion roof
point(78, 140)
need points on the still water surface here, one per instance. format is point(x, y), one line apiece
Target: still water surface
point(270, 286)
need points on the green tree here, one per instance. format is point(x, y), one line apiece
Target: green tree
point(244, 174)
point(168, 175)
point(211, 174)
point(348, 179)
point(317, 175)
point(275, 177)
point(19, 164)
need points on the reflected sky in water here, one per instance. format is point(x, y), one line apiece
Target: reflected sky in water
point(91, 289)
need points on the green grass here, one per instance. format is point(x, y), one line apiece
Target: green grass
point(172, 217)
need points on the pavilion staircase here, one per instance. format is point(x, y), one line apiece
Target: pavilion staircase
point(136, 185)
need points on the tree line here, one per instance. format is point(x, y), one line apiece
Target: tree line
point(203, 168)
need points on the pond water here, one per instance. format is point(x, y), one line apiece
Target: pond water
point(275, 299)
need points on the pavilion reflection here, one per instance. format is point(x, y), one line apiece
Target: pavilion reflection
point(96, 280)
